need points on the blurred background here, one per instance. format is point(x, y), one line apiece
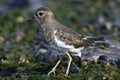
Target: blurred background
point(18, 45)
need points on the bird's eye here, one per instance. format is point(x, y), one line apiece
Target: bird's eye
point(40, 14)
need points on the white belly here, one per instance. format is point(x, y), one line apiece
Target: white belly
point(61, 45)
point(70, 48)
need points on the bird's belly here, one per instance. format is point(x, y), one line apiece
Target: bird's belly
point(63, 47)
point(62, 50)
point(62, 44)
point(73, 51)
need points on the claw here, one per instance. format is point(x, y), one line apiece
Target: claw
point(52, 71)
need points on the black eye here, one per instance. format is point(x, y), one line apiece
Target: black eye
point(40, 14)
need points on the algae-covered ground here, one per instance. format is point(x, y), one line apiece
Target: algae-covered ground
point(18, 46)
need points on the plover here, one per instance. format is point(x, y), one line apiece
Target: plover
point(60, 37)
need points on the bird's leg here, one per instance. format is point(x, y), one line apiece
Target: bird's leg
point(69, 63)
point(54, 68)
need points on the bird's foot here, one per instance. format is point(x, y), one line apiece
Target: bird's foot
point(52, 71)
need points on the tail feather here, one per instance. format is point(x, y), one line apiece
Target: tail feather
point(99, 42)
point(101, 45)
point(96, 38)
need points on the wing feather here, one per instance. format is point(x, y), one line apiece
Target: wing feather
point(72, 38)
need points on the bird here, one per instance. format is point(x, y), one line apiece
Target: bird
point(59, 37)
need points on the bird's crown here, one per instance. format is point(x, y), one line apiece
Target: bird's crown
point(40, 11)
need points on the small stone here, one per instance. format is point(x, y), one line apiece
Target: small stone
point(109, 26)
point(107, 65)
point(1, 39)
point(19, 36)
point(84, 63)
point(103, 57)
point(20, 19)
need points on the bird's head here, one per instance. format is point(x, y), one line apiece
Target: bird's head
point(43, 14)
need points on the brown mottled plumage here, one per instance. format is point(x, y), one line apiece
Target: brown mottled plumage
point(63, 33)
point(61, 37)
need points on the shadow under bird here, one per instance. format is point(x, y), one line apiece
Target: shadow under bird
point(60, 37)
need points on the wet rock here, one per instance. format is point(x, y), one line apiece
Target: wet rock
point(52, 56)
point(103, 57)
point(111, 53)
point(116, 21)
point(8, 71)
point(19, 76)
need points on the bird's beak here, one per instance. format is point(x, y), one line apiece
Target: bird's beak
point(31, 19)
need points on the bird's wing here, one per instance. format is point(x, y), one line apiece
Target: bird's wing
point(72, 38)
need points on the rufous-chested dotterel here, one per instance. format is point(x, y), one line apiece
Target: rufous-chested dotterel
point(60, 37)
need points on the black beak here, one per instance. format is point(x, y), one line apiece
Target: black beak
point(31, 19)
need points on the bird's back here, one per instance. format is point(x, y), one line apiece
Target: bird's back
point(65, 34)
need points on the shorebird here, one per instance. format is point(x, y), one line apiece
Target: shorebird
point(60, 37)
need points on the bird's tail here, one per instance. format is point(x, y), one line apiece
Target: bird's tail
point(99, 42)
point(101, 45)
point(96, 38)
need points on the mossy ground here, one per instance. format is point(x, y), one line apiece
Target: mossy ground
point(39, 71)
point(17, 55)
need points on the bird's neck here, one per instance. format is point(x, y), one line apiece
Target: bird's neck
point(47, 19)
